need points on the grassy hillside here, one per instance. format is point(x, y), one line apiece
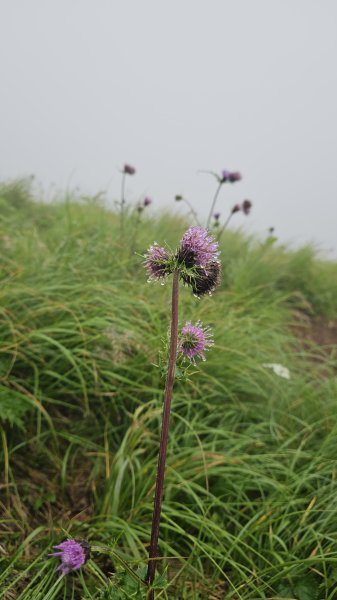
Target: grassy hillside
point(249, 509)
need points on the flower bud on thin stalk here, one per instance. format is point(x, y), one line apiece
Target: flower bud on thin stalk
point(225, 177)
point(196, 262)
point(127, 170)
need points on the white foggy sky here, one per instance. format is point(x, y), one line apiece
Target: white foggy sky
point(173, 87)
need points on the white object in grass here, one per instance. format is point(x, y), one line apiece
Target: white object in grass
point(278, 369)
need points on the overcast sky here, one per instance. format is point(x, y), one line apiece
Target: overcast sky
point(173, 87)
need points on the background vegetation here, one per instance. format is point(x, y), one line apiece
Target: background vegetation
point(250, 504)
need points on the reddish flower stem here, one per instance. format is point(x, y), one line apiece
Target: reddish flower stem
point(153, 551)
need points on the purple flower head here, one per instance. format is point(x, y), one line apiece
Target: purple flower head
point(194, 340)
point(225, 175)
point(235, 176)
point(197, 248)
point(147, 201)
point(129, 169)
point(236, 208)
point(246, 207)
point(73, 554)
point(157, 262)
point(216, 216)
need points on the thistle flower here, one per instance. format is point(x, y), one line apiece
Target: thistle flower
point(129, 169)
point(246, 207)
point(147, 201)
point(73, 554)
point(235, 176)
point(194, 341)
point(197, 248)
point(216, 216)
point(236, 208)
point(157, 262)
point(203, 282)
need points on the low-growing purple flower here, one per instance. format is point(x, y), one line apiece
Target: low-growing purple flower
point(197, 248)
point(235, 176)
point(157, 262)
point(129, 169)
point(194, 340)
point(73, 555)
point(246, 206)
point(147, 201)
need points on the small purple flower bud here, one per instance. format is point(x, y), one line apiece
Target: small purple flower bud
point(233, 177)
point(246, 207)
point(225, 175)
point(147, 201)
point(216, 216)
point(73, 554)
point(157, 262)
point(194, 341)
point(178, 198)
point(197, 248)
point(236, 208)
point(129, 169)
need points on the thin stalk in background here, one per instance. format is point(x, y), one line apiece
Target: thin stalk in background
point(153, 551)
point(213, 204)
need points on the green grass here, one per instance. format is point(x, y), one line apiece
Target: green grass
point(250, 502)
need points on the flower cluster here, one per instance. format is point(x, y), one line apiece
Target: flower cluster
point(197, 260)
point(232, 177)
point(194, 341)
point(73, 554)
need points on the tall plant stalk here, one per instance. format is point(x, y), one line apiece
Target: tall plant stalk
point(213, 204)
point(153, 551)
point(122, 203)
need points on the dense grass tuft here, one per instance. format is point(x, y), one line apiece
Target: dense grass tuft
point(249, 510)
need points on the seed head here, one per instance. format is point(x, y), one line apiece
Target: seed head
point(197, 248)
point(73, 554)
point(129, 169)
point(157, 262)
point(194, 340)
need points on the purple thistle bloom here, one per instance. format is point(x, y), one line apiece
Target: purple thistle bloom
point(236, 208)
point(157, 262)
point(197, 248)
point(246, 207)
point(216, 216)
point(129, 169)
point(73, 554)
point(194, 341)
point(225, 175)
point(233, 177)
point(147, 201)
